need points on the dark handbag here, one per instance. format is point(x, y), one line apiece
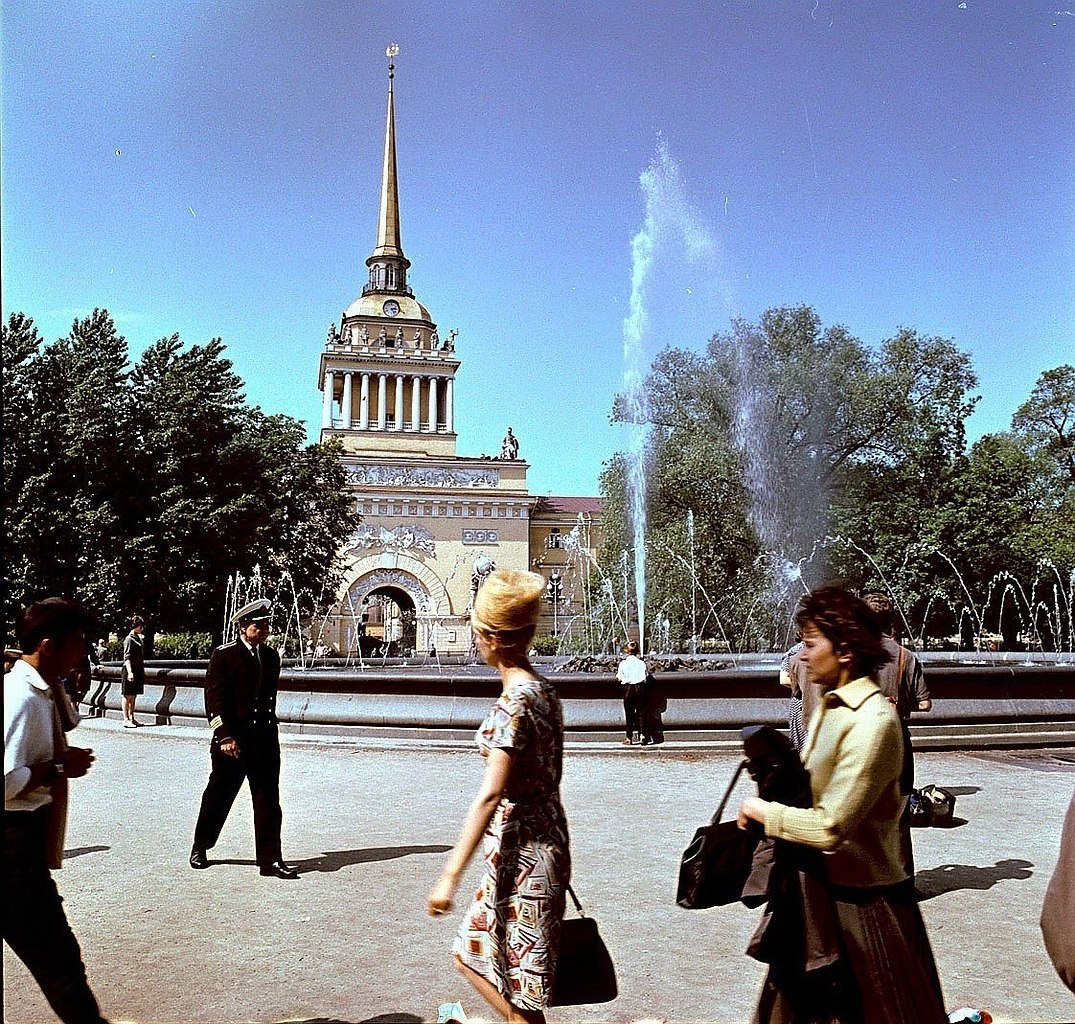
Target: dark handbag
point(584, 969)
point(716, 865)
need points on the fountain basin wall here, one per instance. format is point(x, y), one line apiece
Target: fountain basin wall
point(974, 705)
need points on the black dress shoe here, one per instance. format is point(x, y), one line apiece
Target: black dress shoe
point(198, 859)
point(278, 869)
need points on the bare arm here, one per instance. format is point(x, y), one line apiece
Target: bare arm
point(498, 767)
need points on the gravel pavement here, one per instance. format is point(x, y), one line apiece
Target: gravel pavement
point(369, 826)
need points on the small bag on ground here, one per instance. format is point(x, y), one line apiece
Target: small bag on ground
point(932, 805)
point(942, 805)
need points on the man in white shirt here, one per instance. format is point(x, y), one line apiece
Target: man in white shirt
point(632, 674)
point(37, 764)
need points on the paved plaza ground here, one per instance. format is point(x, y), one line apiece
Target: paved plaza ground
point(369, 825)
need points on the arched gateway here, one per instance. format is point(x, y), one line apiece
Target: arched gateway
point(391, 604)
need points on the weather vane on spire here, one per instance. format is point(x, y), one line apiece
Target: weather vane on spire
point(391, 53)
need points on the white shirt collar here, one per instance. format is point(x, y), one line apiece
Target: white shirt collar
point(24, 670)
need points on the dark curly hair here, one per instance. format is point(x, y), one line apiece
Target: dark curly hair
point(881, 604)
point(54, 618)
point(848, 623)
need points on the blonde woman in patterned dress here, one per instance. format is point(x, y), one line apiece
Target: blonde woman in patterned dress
point(507, 944)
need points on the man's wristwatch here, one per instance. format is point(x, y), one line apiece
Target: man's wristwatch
point(58, 771)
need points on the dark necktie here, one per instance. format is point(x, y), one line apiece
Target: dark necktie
point(257, 657)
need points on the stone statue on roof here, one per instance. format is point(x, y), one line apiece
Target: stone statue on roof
point(509, 447)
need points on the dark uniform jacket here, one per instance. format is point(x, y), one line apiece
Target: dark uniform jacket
point(240, 690)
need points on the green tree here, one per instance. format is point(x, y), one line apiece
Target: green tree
point(21, 343)
point(226, 489)
point(145, 489)
point(782, 433)
point(1046, 420)
point(1007, 526)
point(63, 446)
point(815, 408)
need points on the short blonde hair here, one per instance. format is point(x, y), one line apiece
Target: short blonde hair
point(507, 605)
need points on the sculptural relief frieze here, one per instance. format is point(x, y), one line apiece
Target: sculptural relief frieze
point(415, 540)
point(423, 476)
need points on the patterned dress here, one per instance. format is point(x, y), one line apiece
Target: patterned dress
point(511, 933)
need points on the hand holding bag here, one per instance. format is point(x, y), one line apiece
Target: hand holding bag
point(715, 867)
point(584, 970)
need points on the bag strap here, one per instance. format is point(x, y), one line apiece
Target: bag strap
point(728, 791)
point(575, 900)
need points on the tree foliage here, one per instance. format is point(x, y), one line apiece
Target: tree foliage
point(1046, 420)
point(800, 454)
point(143, 489)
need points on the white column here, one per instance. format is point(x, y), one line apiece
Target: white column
point(326, 401)
point(432, 405)
point(449, 404)
point(416, 403)
point(364, 404)
point(399, 401)
point(382, 398)
point(346, 406)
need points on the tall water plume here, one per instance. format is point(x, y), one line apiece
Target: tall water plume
point(670, 227)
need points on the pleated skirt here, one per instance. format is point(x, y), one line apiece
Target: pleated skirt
point(886, 975)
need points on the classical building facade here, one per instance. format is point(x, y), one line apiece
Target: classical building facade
point(430, 522)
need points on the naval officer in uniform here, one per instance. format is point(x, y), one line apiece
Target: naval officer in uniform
point(240, 703)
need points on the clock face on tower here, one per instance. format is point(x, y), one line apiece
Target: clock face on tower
point(391, 307)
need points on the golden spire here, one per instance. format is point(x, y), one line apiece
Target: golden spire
point(388, 234)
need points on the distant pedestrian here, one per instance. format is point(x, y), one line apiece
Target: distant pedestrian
point(37, 764)
point(632, 674)
point(240, 703)
point(866, 955)
point(791, 676)
point(134, 670)
point(903, 682)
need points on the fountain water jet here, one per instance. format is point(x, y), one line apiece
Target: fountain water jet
point(669, 219)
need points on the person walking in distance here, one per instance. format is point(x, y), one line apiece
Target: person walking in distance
point(134, 672)
point(632, 674)
point(37, 764)
point(240, 703)
point(901, 680)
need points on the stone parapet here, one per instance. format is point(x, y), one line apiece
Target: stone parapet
point(976, 706)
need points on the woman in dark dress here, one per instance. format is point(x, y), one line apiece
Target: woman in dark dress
point(879, 967)
point(134, 672)
point(508, 943)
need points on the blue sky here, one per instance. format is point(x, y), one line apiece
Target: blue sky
point(213, 169)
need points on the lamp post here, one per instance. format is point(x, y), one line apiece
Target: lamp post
point(694, 605)
point(554, 590)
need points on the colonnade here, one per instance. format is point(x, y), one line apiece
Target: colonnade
point(434, 414)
